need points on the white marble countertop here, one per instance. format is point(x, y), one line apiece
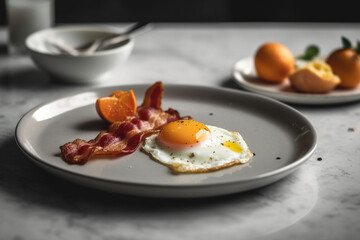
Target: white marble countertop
point(319, 201)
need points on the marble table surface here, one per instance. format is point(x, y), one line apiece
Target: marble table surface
point(321, 200)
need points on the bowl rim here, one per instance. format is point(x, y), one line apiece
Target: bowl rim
point(70, 28)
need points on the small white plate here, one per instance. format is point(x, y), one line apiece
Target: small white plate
point(245, 76)
point(280, 136)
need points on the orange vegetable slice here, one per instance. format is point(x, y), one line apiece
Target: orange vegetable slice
point(117, 106)
point(117, 94)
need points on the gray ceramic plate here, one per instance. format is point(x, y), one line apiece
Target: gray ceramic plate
point(244, 75)
point(281, 138)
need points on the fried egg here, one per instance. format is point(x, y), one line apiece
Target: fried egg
point(190, 146)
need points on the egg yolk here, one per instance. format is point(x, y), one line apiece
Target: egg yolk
point(183, 134)
point(233, 146)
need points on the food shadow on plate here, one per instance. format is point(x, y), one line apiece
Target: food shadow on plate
point(255, 80)
point(92, 125)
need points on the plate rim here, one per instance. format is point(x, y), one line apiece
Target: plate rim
point(285, 169)
point(297, 98)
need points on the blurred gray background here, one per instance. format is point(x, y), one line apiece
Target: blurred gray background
point(86, 11)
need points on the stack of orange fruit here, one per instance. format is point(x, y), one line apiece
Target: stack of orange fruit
point(275, 63)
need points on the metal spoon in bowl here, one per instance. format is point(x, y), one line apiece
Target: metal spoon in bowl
point(103, 43)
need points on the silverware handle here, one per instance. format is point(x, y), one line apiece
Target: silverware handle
point(134, 27)
point(122, 37)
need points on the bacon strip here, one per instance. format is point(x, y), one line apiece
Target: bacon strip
point(123, 137)
point(153, 96)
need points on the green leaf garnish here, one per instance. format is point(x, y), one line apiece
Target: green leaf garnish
point(346, 42)
point(310, 53)
point(357, 49)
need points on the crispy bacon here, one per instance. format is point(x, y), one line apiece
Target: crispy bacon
point(124, 137)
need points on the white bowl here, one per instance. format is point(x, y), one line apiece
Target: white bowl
point(83, 69)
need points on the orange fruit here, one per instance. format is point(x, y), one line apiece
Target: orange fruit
point(274, 62)
point(345, 63)
point(117, 106)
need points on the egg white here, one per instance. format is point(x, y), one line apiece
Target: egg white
point(208, 156)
